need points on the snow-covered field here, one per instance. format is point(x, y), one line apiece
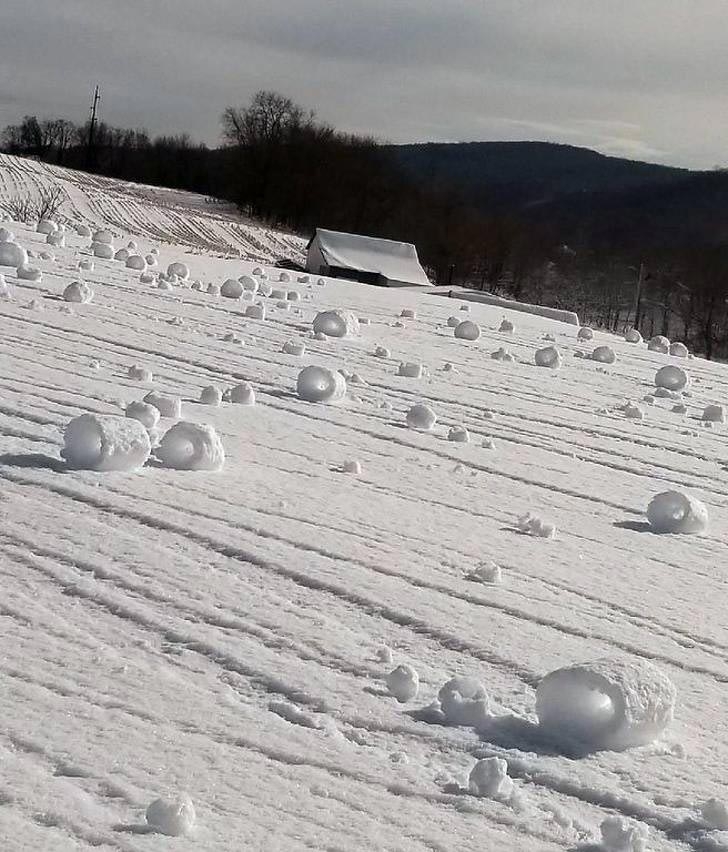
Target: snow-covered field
point(229, 635)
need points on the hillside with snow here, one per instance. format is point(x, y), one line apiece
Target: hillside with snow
point(326, 566)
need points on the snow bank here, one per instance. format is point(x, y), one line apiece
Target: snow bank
point(671, 378)
point(421, 417)
point(175, 818)
point(168, 406)
point(191, 446)
point(78, 291)
point(403, 683)
point(608, 703)
point(337, 323)
point(549, 356)
point(489, 778)
point(675, 512)
point(659, 343)
point(464, 701)
point(508, 304)
point(467, 330)
point(242, 394)
point(105, 442)
point(318, 384)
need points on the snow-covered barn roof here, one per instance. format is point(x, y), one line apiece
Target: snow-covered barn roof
point(394, 260)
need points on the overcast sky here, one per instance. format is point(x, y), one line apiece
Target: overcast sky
point(646, 79)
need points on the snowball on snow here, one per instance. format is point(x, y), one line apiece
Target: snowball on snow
point(585, 333)
point(46, 226)
point(421, 417)
point(86, 264)
point(672, 378)
point(621, 835)
point(352, 466)
point(6, 288)
point(294, 347)
point(242, 394)
point(609, 703)
point(459, 435)
point(27, 272)
point(715, 813)
point(284, 277)
point(175, 818)
point(145, 413)
point(604, 354)
point(410, 371)
point(659, 343)
point(191, 446)
point(211, 395)
point(337, 323)
point(6, 236)
point(532, 525)
point(679, 350)
point(714, 414)
point(467, 330)
point(549, 356)
point(105, 442)
point(408, 313)
point(264, 290)
point(102, 250)
point(453, 322)
point(502, 355)
point(249, 284)
point(139, 374)
point(675, 512)
point(12, 254)
point(213, 290)
point(464, 701)
point(58, 239)
point(506, 327)
point(131, 245)
point(231, 289)
point(136, 261)
point(146, 278)
point(150, 259)
point(319, 384)
point(632, 336)
point(197, 285)
point(489, 778)
point(83, 230)
point(486, 572)
point(464, 307)
point(168, 406)
point(103, 237)
point(122, 254)
point(255, 311)
point(384, 654)
point(382, 352)
point(78, 291)
point(278, 294)
point(633, 412)
point(293, 296)
point(181, 270)
point(403, 683)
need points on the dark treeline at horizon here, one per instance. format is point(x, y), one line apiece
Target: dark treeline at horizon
point(286, 168)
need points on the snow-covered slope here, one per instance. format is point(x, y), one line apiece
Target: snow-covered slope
point(165, 215)
point(228, 634)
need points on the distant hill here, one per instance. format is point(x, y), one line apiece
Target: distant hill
point(576, 190)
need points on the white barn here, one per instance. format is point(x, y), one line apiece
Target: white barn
point(370, 260)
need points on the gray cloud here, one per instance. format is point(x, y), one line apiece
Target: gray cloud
point(644, 79)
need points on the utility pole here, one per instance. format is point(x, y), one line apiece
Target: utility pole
point(92, 129)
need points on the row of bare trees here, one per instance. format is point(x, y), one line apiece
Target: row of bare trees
point(280, 163)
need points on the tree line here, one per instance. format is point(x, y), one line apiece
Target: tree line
point(284, 166)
